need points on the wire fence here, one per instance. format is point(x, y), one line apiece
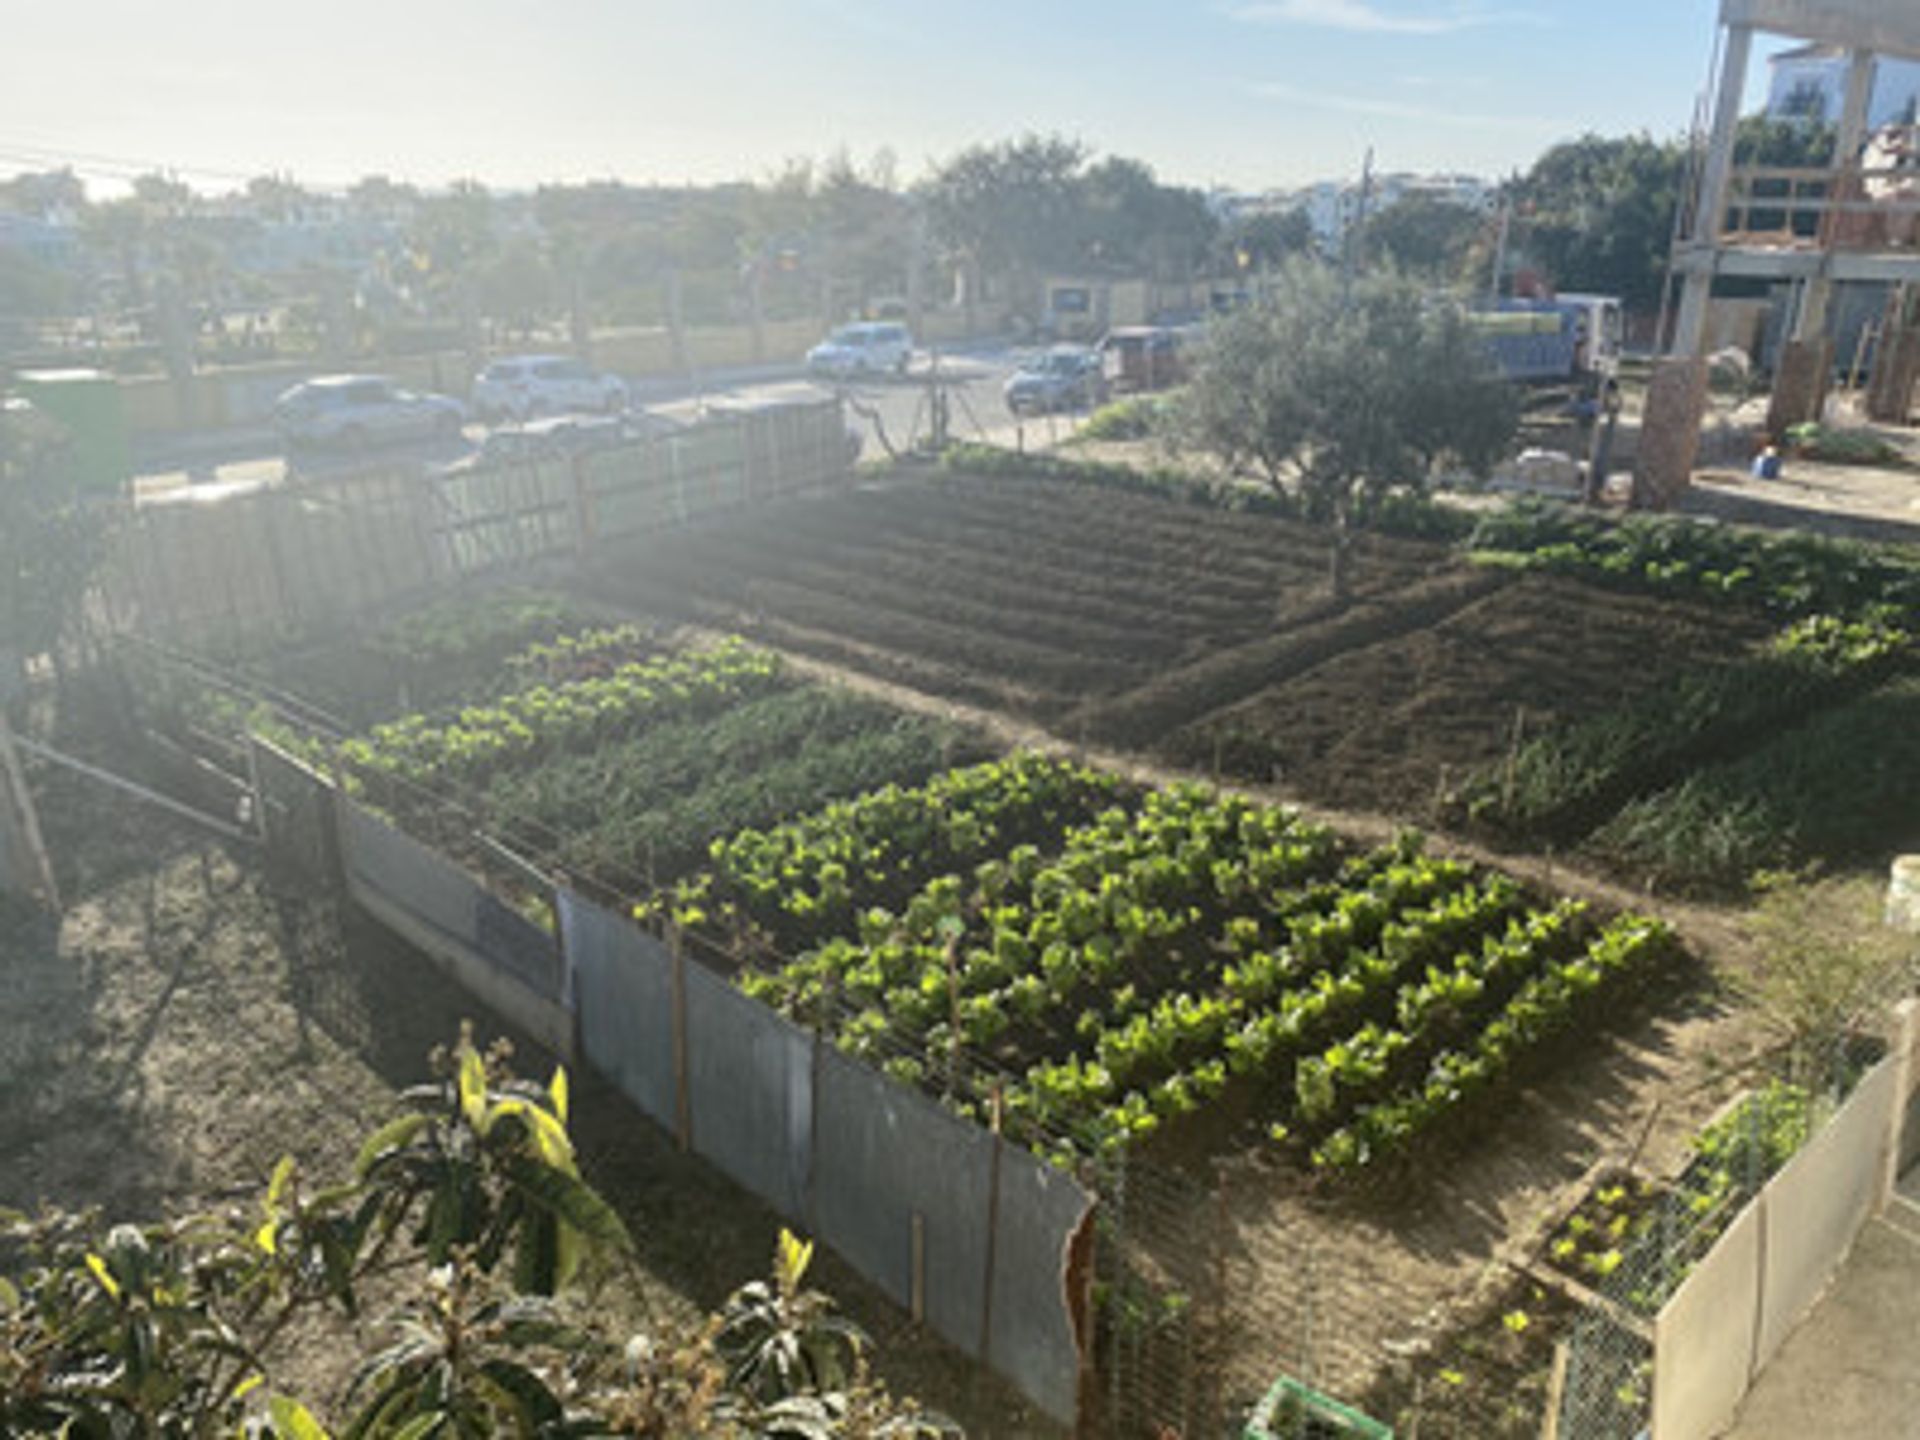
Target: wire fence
point(1608, 1390)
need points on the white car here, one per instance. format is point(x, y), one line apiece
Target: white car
point(516, 387)
point(876, 347)
point(357, 412)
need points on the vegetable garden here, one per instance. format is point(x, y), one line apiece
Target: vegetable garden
point(1552, 679)
point(1178, 952)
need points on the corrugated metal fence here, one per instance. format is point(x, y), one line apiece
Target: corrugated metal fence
point(943, 1216)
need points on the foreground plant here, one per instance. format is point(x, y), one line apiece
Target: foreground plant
point(471, 1202)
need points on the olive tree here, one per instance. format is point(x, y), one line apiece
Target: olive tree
point(1339, 392)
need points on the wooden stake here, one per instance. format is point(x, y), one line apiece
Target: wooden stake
point(1556, 1389)
point(29, 819)
point(994, 1121)
point(918, 1291)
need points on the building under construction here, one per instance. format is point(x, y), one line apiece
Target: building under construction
point(1853, 221)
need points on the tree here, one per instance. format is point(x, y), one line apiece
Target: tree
point(1424, 236)
point(1344, 393)
point(1267, 239)
point(1129, 220)
point(1597, 215)
point(1010, 209)
point(51, 538)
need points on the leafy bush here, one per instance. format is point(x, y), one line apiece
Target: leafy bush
point(1134, 418)
point(471, 1198)
point(1843, 447)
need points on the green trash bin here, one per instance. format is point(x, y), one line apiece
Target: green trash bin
point(1292, 1411)
point(86, 404)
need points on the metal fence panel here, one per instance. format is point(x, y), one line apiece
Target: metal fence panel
point(885, 1155)
point(297, 812)
point(750, 1091)
point(502, 958)
point(1032, 1341)
point(624, 980)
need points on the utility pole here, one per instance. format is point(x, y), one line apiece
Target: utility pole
point(1357, 228)
point(1500, 251)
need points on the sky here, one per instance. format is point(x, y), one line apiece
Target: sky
point(1246, 94)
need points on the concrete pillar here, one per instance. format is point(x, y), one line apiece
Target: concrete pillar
point(1850, 136)
point(1670, 431)
point(1800, 381)
point(1896, 370)
point(1711, 203)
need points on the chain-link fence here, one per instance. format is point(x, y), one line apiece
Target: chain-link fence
point(1608, 1388)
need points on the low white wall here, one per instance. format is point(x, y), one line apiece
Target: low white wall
point(1721, 1327)
point(1703, 1338)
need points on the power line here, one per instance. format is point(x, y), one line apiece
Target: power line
point(122, 167)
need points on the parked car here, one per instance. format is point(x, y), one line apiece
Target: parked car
point(1143, 357)
point(874, 347)
point(359, 411)
point(561, 436)
point(1067, 377)
point(518, 387)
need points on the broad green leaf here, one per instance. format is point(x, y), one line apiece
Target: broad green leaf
point(101, 1273)
point(267, 1237)
point(795, 1255)
point(573, 1200)
point(291, 1419)
point(473, 1088)
point(419, 1427)
point(390, 1136)
point(277, 1186)
point(549, 1136)
point(524, 1393)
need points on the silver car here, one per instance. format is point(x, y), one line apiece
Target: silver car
point(359, 412)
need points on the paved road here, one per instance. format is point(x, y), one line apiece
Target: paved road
point(203, 464)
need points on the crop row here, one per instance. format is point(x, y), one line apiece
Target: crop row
point(1836, 789)
point(1791, 575)
point(808, 879)
point(550, 719)
point(1196, 942)
point(1560, 785)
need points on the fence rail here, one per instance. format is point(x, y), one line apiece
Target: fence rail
point(234, 572)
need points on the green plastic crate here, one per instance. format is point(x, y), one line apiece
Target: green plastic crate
point(1302, 1413)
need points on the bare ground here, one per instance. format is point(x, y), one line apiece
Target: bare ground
point(190, 1021)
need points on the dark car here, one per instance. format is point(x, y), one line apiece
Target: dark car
point(1067, 377)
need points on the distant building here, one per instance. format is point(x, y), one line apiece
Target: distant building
point(1809, 82)
point(47, 241)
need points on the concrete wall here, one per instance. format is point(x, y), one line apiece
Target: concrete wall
point(1721, 1327)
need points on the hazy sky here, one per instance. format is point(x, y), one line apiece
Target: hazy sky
point(1246, 93)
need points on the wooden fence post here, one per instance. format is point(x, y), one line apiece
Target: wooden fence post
point(682, 1100)
point(18, 804)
